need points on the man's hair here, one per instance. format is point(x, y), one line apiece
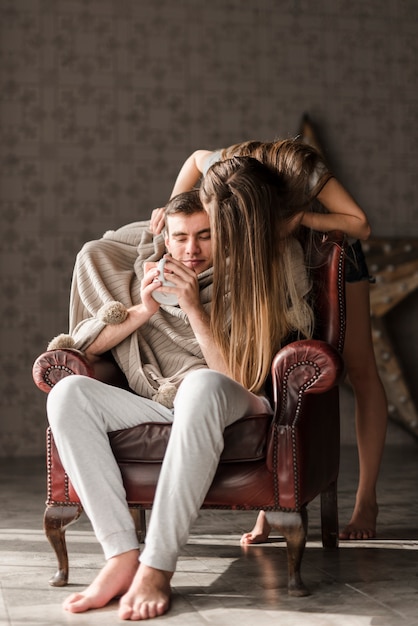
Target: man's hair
point(187, 203)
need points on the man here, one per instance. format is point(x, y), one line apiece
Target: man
point(82, 411)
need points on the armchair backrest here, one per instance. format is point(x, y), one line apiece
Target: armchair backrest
point(325, 259)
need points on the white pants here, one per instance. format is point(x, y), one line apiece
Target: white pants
point(82, 411)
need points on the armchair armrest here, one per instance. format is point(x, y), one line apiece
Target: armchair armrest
point(51, 366)
point(309, 366)
point(303, 447)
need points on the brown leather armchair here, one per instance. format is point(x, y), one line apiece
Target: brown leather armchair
point(278, 464)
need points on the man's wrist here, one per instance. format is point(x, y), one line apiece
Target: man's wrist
point(199, 316)
point(139, 314)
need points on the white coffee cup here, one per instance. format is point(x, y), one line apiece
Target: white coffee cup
point(161, 296)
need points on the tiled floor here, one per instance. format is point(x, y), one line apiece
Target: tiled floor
point(218, 582)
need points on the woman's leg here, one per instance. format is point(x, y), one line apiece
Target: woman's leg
point(260, 533)
point(370, 418)
point(205, 404)
point(370, 406)
point(82, 411)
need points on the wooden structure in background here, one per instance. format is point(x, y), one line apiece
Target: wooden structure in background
point(394, 263)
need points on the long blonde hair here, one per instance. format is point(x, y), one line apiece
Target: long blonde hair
point(300, 165)
point(249, 210)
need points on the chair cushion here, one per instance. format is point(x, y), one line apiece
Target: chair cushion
point(245, 440)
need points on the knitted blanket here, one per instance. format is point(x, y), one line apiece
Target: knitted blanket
point(156, 357)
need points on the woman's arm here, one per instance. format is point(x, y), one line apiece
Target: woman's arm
point(187, 178)
point(190, 172)
point(344, 213)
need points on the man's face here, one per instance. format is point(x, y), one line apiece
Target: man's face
point(188, 240)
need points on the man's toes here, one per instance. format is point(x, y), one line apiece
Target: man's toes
point(125, 611)
point(77, 603)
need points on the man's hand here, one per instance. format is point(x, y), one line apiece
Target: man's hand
point(138, 314)
point(186, 284)
point(187, 291)
point(150, 283)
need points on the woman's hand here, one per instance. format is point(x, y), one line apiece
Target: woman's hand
point(157, 221)
point(344, 213)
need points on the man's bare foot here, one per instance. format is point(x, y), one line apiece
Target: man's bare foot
point(148, 596)
point(259, 533)
point(113, 580)
point(362, 524)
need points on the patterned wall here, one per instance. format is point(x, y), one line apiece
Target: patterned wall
point(102, 100)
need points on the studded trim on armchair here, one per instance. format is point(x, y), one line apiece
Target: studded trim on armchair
point(57, 478)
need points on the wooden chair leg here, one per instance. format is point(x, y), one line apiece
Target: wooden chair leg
point(294, 527)
point(138, 514)
point(56, 521)
point(329, 517)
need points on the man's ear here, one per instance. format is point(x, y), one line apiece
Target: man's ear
point(167, 243)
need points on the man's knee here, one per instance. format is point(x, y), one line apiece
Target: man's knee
point(64, 399)
point(204, 391)
point(201, 382)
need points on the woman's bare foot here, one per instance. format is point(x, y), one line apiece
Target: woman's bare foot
point(259, 533)
point(362, 524)
point(148, 596)
point(113, 580)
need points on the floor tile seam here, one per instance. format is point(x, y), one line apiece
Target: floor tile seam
point(188, 601)
point(382, 544)
point(385, 606)
point(4, 613)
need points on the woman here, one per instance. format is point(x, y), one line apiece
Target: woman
point(240, 237)
point(306, 176)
